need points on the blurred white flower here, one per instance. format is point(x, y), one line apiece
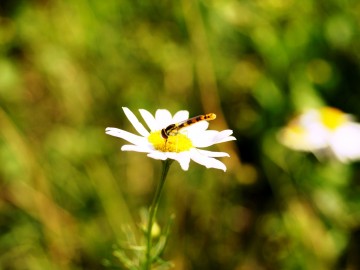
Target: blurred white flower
point(325, 130)
point(182, 145)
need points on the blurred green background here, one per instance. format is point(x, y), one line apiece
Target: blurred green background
point(66, 189)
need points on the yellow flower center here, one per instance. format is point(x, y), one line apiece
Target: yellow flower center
point(174, 143)
point(332, 118)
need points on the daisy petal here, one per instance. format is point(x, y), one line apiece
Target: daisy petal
point(205, 139)
point(183, 158)
point(163, 118)
point(224, 136)
point(225, 133)
point(180, 116)
point(345, 142)
point(132, 138)
point(302, 138)
point(157, 155)
point(198, 127)
point(184, 161)
point(213, 154)
point(208, 162)
point(136, 148)
point(227, 139)
point(135, 122)
point(149, 119)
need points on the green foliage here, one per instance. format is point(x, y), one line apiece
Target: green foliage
point(66, 190)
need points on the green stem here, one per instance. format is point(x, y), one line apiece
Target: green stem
point(153, 209)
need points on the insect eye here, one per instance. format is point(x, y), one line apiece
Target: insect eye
point(164, 134)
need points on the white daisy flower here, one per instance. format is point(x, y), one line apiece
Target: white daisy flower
point(181, 142)
point(325, 130)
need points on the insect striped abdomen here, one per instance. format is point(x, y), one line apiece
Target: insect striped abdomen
point(174, 128)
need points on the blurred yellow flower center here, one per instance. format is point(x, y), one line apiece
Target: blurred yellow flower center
point(174, 143)
point(332, 118)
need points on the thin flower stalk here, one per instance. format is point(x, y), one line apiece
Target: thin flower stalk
point(153, 210)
